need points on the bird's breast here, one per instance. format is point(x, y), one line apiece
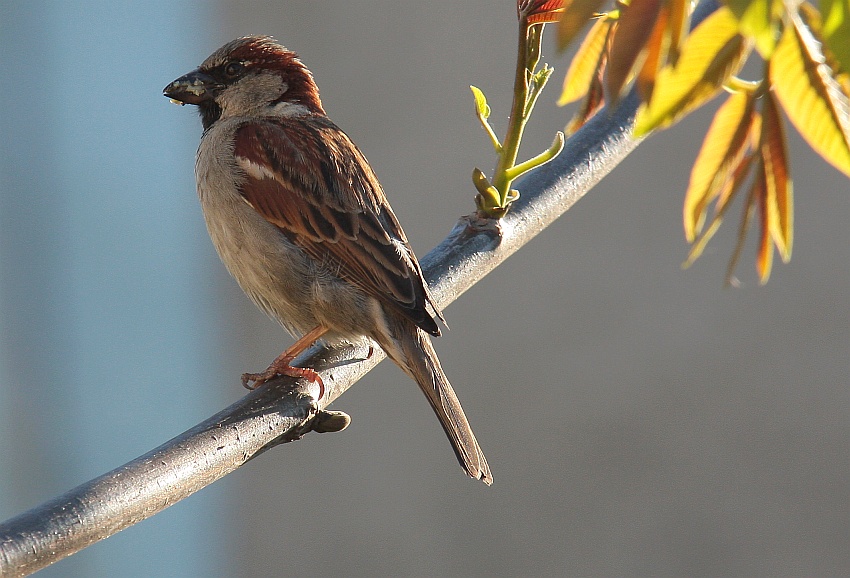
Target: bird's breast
point(289, 285)
point(273, 272)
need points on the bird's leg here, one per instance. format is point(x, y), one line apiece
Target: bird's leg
point(281, 364)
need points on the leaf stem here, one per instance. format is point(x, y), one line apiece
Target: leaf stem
point(518, 118)
point(495, 197)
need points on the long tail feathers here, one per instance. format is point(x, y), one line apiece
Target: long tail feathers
point(419, 360)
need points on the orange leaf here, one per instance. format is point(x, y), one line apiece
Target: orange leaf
point(656, 48)
point(749, 209)
point(637, 21)
point(730, 187)
point(678, 23)
point(779, 188)
point(536, 7)
point(591, 103)
point(585, 63)
point(721, 152)
point(764, 259)
point(577, 13)
point(541, 11)
point(712, 53)
point(810, 94)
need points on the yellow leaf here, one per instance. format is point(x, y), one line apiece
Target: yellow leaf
point(712, 53)
point(731, 186)
point(585, 63)
point(836, 29)
point(721, 152)
point(835, 33)
point(810, 95)
point(591, 102)
point(758, 19)
point(727, 192)
point(627, 52)
point(482, 109)
point(576, 15)
point(779, 188)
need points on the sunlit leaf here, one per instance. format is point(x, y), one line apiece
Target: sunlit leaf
point(656, 50)
point(836, 29)
point(810, 94)
point(701, 242)
point(779, 189)
point(542, 11)
point(678, 23)
point(585, 63)
point(711, 53)
point(746, 218)
point(628, 46)
point(730, 187)
point(590, 104)
point(721, 152)
point(489, 194)
point(758, 20)
point(835, 37)
point(482, 109)
point(577, 14)
point(764, 259)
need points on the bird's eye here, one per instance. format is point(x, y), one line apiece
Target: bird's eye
point(234, 69)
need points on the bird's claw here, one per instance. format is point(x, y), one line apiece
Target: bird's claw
point(255, 380)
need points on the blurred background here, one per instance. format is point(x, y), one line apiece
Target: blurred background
point(639, 419)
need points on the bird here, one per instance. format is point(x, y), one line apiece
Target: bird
point(300, 220)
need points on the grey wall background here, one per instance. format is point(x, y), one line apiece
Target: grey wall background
point(639, 419)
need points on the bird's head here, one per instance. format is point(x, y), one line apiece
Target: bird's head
point(249, 76)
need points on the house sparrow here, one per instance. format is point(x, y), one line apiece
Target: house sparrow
point(301, 222)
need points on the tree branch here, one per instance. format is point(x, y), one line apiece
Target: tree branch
point(284, 409)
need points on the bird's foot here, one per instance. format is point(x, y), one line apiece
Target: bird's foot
point(281, 366)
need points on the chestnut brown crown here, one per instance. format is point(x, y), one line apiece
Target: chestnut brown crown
point(253, 75)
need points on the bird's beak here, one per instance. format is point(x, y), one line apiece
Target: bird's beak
point(193, 88)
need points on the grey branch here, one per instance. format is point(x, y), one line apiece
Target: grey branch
point(284, 410)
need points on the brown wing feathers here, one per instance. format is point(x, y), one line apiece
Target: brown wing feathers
point(354, 233)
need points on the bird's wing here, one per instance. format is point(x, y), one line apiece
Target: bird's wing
point(308, 178)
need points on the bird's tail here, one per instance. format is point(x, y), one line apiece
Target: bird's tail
point(413, 352)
